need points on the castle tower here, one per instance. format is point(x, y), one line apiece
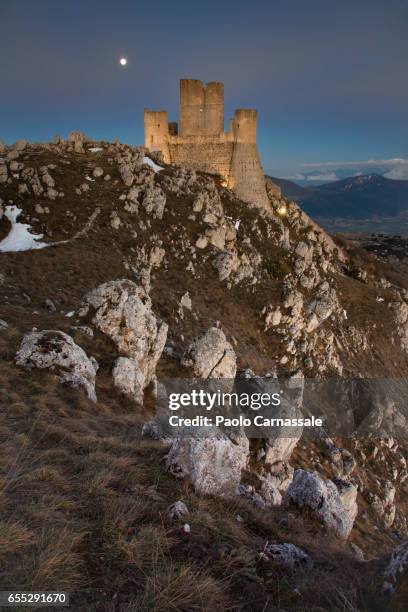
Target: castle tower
point(192, 108)
point(156, 131)
point(244, 125)
point(201, 108)
point(247, 178)
point(214, 109)
point(201, 142)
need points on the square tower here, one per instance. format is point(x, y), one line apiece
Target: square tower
point(201, 108)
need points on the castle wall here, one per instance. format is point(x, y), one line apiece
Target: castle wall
point(204, 153)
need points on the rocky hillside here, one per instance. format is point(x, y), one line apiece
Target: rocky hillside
point(116, 271)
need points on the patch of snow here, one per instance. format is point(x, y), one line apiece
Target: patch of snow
point(19, 237)
point(380, 299)
point(70, 314)
point(150, 162)
point(95, 149)
point(88, 178)
point(237, 224)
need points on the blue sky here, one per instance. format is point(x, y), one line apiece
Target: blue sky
point(328, 78)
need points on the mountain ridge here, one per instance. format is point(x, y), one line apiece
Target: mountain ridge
point(358, 197)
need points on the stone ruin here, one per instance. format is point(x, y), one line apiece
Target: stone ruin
point(199, 141)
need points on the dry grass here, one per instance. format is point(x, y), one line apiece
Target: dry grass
point(83, 508)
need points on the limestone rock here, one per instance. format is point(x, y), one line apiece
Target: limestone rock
point(20, 145)
point(249, 492)
point(122, 310)
point(273, 317)
point(289, 556)
point(280, 449)
point(154, 201)
point(97, 172)
point(212, 463)
point(128, 379)
point(210, 355)
point(334, 503)
point(56, 351)
point(115, 220)
point(224, 264)
point(177, 510)
point(396, 569)
point(202, 242)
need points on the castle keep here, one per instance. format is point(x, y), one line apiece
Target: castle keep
point(200, 141)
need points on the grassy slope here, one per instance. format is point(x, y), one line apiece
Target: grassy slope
point(82, 497)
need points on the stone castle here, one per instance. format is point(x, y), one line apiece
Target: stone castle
point(200, 141)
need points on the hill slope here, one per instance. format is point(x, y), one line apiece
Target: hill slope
point(84, 495)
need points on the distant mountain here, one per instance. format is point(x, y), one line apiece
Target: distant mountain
point(357, 197)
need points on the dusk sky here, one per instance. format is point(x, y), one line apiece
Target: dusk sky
point(329, 79)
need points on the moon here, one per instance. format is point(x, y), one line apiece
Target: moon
point(123, 61)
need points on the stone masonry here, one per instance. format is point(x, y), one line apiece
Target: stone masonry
point(200, 142)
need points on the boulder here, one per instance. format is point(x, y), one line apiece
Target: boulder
point(154, 201)
point(128, 379)
point(249, 492)
point(332, 502)
point(224, 264)
point(177, 510)
point(210, 355)
point(289, 556)
point(395, 576)
point(97, 172)
point(122, 311)
point(56, 351)
point(280, 449)
point(212, 463)
point(20, 145)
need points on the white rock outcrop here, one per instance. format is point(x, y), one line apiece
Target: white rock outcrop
point(177, 510)
point(332, 502)
point(396, 567)
point(122, 311)
point(289, 556)
point(212, 463)
point(210, 355)
point(56, 351)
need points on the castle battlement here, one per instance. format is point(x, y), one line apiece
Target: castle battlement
point(199, 140)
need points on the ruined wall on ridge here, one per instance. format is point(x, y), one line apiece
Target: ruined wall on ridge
point(212, 155)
